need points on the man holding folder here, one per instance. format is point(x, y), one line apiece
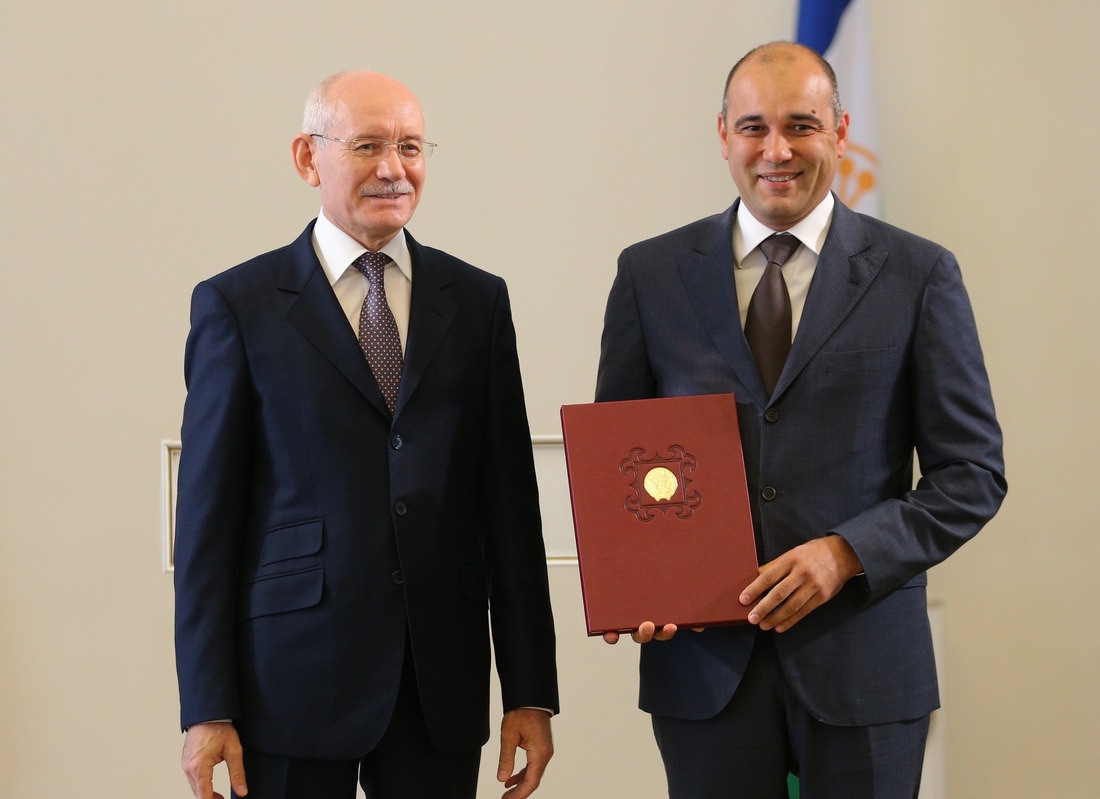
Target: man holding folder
point(848, 344)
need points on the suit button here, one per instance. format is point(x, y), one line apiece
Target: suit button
point(768, 493)
point(771, 415)
point(397, 576)
point(396, 442)
point(400, 508)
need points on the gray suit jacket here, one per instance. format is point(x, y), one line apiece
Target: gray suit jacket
point(886, 360)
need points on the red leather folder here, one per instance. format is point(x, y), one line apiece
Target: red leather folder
point(660, 511)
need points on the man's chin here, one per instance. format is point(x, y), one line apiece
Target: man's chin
point(387, 214)
point(777, 213)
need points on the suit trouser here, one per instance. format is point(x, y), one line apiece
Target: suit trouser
point(747, 750)
point(404, 765)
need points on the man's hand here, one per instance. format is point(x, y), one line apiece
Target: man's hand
point(799, 581)
point(527, 729)
point(645, 633)
point(206, 745)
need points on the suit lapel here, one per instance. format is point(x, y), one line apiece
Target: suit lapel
point(430, 316)
point(707, 275)
point(317, 315)
point(847, 266)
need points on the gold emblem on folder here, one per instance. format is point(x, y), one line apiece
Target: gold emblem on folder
point(660, 481)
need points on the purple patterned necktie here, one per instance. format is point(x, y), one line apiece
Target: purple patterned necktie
point(377, 329)
point(768, 323)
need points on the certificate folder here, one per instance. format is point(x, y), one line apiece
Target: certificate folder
point(660, 511)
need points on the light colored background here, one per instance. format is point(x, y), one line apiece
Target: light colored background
point(147, 146)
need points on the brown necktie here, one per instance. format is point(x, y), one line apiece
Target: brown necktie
point(768, 323)
point(378, 330)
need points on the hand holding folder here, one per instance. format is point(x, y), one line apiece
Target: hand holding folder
point(661, 512)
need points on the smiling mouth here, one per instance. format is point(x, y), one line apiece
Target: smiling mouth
point(779, 178)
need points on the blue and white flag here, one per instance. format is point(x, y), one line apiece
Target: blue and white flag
point(838, 30)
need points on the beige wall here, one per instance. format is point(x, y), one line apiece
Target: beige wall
point(147, 147)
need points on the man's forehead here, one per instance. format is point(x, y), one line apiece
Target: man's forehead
point(373, 112)
point(362, 95)
point(794, 85)
point(764, 72)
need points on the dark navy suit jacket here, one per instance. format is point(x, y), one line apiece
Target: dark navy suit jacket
point(886, 360)
point(313, 530)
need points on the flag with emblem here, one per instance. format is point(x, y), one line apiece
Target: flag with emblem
point(838, 30)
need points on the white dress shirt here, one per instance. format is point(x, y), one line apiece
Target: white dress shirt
point(798, 271)
point(336, 251)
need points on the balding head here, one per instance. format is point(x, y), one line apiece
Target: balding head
point(781, 56)
point(323, 101)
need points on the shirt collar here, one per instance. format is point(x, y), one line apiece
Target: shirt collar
point(749, 232)
point(336, 250)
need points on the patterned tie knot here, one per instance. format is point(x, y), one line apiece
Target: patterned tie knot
point(778, 247)
point(372, 264)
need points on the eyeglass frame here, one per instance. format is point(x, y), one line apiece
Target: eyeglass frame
point(427, 147)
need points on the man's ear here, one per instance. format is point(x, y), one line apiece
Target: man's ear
point(842, 135)
point(723, 136)
point(302, 150)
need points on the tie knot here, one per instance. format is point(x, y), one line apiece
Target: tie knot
point(372, 264)
point(777, 248)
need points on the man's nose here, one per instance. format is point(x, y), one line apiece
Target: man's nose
point(390, 165)
point(776, 148)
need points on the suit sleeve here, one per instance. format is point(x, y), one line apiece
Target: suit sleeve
point(624, 372)
point(211, 510)
point(520, 612)
point(958, 444)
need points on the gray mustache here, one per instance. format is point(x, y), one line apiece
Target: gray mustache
point(397, 187)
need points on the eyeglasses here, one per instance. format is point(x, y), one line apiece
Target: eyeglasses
point(373, 149)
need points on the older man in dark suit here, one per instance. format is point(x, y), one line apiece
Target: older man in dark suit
point(849, 343)
point(357, 504)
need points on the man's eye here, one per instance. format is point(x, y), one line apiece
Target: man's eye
point(368, 147)
point(750, 130)
point(409, 148)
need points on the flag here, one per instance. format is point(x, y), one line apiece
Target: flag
point(838, 30)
